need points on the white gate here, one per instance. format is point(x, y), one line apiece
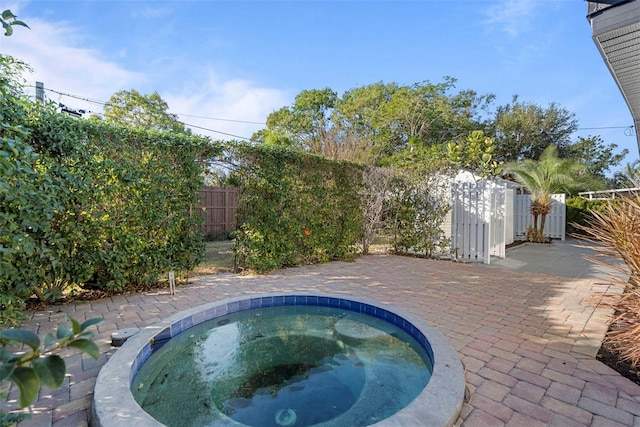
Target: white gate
point(478, 220)
point(555, 223)
point(486, 216)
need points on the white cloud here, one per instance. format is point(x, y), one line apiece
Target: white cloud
point(510, 16)
point(54, 52)
point(231, 99)
point(63, 59)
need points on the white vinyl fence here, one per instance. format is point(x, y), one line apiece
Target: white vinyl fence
point(479, 216)
point(556, 223)
point(486, 216)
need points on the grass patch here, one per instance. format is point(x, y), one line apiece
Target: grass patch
point(218, 258)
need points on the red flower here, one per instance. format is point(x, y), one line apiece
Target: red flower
point(307, 232)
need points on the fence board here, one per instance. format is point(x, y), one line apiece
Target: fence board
point(555, 223)
point(477, 221)
point(481, 220)
point(218, 208)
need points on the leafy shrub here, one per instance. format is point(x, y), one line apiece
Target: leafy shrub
point(295, 208)
point(28, 199)
point(418, 204)
point(377, 191)
point(579, 211)
point(127, 200)
point(417, 211)
point(84, 203)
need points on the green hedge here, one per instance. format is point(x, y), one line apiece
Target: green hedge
point(295, 208)
point(90, 204)
point(579, 212)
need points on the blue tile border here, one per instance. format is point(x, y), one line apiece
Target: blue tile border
point(177, 327)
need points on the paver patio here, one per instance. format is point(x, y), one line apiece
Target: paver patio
point(528, 341)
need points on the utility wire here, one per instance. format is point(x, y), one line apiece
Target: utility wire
point(217, 131)
point(222, 120)
point(104, 103)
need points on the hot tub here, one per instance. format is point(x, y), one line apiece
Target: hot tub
point(265, 370)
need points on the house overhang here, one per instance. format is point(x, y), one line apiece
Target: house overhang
point(615, 26)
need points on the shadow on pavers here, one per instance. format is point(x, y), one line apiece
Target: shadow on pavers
point(566, 258)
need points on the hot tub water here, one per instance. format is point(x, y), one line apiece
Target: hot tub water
point(283, 366)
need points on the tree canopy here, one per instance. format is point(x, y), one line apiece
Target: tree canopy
point(523, 130)
point(149, 112)
point(597, 157)
point(374, 123)
point(378, 120)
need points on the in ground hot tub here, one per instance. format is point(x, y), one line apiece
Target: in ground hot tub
point(282, 360)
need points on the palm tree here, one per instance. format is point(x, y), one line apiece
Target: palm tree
point(544, 177)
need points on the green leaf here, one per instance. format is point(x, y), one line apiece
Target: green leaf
point(50, 340)
point(21, 336)
point(86, 346)
point(6, 369)
point(7, 356)
point(64, 332)
point(50, 370)
point(20, 23)
point(28, 383)
point(7, 14)
point(76, 326)
point(91, 322)
point(12, 418)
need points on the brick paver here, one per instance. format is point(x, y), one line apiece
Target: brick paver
point(527, 340)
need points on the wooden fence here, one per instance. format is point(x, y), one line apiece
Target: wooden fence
point(218, 208)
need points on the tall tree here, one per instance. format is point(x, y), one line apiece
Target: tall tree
point(375, 121)
point(430, 114)
point(544, 177)
point(523, 130)
point(132, 108)
point(360, 116)
point(307, 121)
point(592, 152)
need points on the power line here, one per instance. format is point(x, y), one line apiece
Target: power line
point(219, 119)
point(105, 103)
point(217, 131)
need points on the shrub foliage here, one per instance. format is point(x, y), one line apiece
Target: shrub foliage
point(579, 211)
point(90, 204)
point(295, 208)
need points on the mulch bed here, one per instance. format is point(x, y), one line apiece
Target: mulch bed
point(94, 294)
point(607, 356)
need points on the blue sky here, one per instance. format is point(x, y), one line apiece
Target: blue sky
point(241, 60)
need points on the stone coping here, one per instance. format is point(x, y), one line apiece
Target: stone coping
point(439, 404)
